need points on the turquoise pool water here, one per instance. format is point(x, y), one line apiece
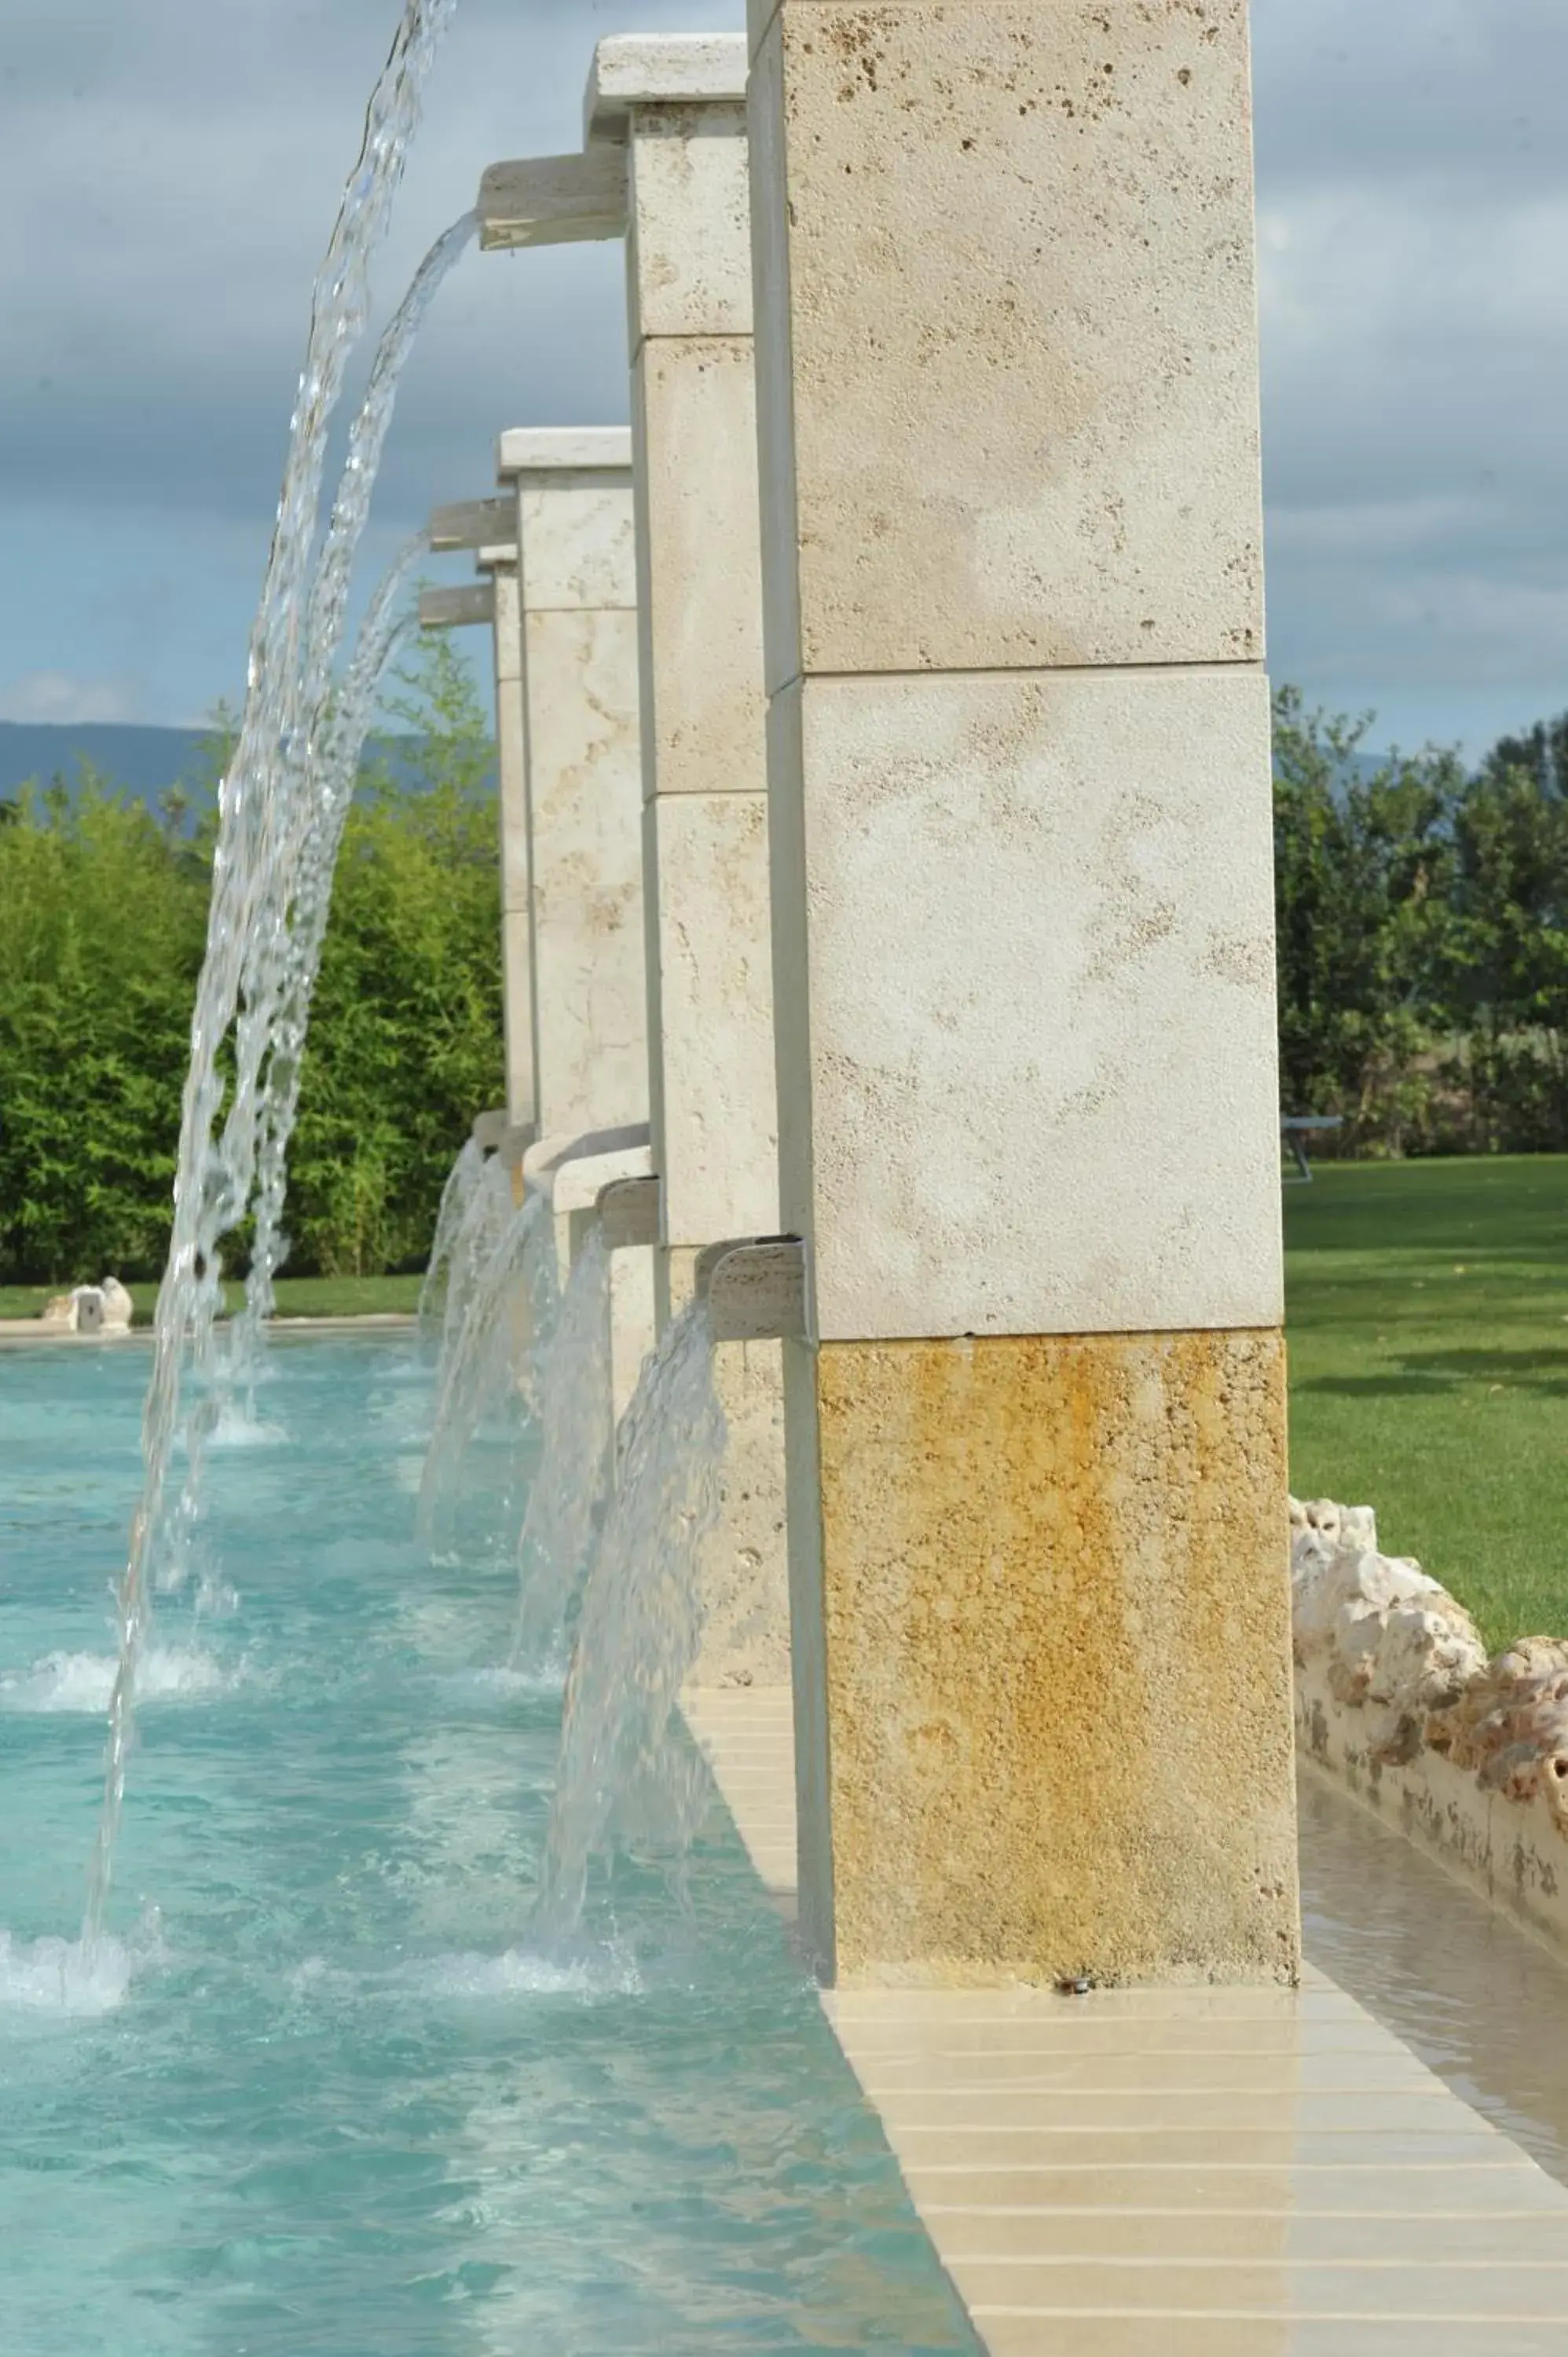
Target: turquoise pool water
point(322, 2097)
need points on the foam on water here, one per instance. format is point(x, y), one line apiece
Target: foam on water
point(64, 1976)
point(518, 1972)
point(237, 1428)
point(84, 1681)
point(75, 1979)
point(506, 1681)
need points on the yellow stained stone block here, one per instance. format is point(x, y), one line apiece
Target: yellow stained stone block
point(1051, 1620)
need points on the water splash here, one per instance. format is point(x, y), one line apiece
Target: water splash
point(76, 1979)
point(463, 1181)
point(625, 1772)
point(489, 1371)
point(576, 1420)
point(66, 1682)
point(253, 871)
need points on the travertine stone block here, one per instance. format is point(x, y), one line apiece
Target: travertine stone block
point(576, 531)
point(1049, 1611)
point(710, 1000)
point(640, 70)
point(586, 861)
point(562, 449)
point(517, 1010)
point(698, 548)
point(1005, 279)
point(689, 253)
point(512, 764)
point(1027, 1001)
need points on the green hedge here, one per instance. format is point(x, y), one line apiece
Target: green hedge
point(102, 923)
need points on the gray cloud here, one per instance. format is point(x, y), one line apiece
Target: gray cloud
point(169, 170)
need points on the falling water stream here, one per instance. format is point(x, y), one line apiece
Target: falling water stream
point(385, 629)
point(264, 814)
point(495, 1328)
point(576, 1431)
point(462, 1183)
point(626, 1772)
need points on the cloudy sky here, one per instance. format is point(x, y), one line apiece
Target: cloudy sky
point(169, 169)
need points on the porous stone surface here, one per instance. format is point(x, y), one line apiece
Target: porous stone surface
point(1005, 268)
point(701, 561)
point(1025, 985)
point(710, 1005)
point(1054, 1636)
point(512, 764)
point(744, 1570)
point(689, 253)
point(585, 867)
point(637, 69)
point(575, 532)
point(1403, 1664)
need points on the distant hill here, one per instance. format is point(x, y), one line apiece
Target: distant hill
point(142, 762)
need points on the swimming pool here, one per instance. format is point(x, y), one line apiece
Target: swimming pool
point(322, 2097)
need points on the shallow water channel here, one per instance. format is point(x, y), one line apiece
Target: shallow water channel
point(321, 2096)
point(1480, 2000)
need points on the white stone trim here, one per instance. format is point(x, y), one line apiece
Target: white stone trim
point(569, 449)
point(659, 70)
point(575, 1183)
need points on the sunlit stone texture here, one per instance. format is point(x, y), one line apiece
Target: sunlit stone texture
point(1054, 1624)
point(1024, 971)
point(678, 106)
point(512, 764)
point(1041, 445)
point(574, 881)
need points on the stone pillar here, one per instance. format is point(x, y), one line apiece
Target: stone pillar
point(1023, 926)
point(677, 107)
point(494, 601)
point(511, 758)
point(575, 840)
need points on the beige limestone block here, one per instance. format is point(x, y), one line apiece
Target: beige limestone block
point(568, 449)
point(744, 1564)
point(517, 1013)
point(1051, 1625)
point(699, 551)
point(1026, 987)
point(511, 760)
point(1005, 269)
point(689, 250)
point(586, 862)
point(710, 1011)
point(636, 70)
point(576, 532)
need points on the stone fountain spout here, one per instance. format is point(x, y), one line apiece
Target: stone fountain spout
point(756, 1290)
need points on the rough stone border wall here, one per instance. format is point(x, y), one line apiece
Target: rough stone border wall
point(1396, 1699)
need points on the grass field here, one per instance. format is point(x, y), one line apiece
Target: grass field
point(1427, 1305)
point(298, 1296)
point(1428, 1316)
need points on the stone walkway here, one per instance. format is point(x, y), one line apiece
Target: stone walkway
point(1178, 2173)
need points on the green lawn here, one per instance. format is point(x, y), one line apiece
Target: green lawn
point(1428, 1318)
point(298, 1296)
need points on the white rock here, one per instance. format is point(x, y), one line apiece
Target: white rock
point(118, 1307)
